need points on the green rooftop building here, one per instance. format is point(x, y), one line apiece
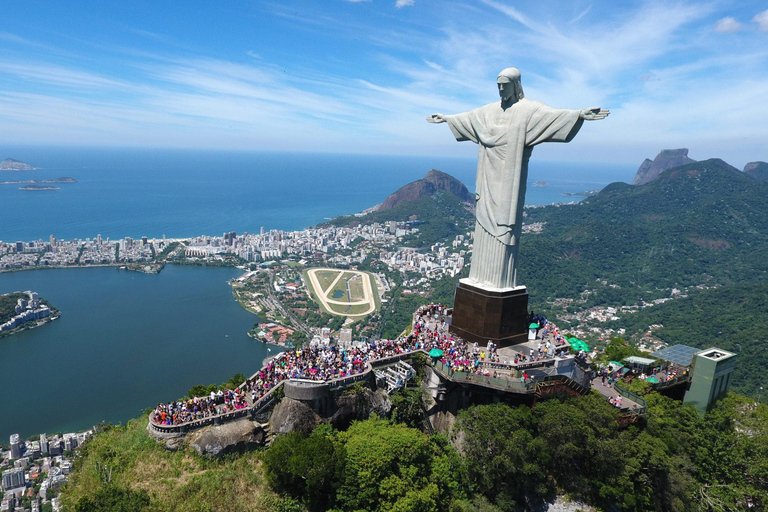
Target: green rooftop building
point(711, 378)
point(710, 371)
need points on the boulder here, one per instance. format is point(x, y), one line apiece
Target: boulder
point(238, 435)
point(292, 414)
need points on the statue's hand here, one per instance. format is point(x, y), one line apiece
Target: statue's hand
point(436, 118)
point(594, 114)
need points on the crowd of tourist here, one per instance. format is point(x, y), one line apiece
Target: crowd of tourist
point(198, 408)
point(319, 362)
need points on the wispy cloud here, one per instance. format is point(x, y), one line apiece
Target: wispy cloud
point(762, 20)
point(728, 24)
point(403, 3)
point(658, 66)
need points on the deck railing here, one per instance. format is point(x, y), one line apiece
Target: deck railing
point(513, 384)
point(631, 395)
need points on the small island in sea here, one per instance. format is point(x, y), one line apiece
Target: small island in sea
point(36, 184)
point(9, 164)
point(39, 187)
point(24, 310)
point(540, 184)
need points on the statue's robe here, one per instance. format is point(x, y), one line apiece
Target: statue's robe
point(506, 138)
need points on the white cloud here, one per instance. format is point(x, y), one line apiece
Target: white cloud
point(403, 3)
point(728, 24)
point(762, 20)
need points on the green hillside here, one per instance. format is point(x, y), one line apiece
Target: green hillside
point(733, 318)
point(506, 460)
point(439, 218)
point(701, 223)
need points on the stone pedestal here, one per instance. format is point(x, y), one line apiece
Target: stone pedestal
point(499, 315)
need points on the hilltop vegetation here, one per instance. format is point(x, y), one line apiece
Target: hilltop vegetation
point(439, 218)
point(504, 459)
point(701, 223)
point(732, 318)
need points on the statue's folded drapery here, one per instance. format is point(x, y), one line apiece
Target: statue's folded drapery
point(506, 137)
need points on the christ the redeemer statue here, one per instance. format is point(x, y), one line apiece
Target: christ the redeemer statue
point(506, 132)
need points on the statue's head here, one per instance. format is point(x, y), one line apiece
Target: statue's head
point(510, 87)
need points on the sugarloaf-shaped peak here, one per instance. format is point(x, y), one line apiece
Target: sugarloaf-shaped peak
point(667, 159)
point(432, 183)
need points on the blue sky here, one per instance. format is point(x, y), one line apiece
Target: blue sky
point(361, 76)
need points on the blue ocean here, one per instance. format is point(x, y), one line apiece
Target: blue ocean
point(183, 193)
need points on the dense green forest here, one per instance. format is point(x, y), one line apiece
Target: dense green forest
point(701, 223)
point(497, 458)
point(733, 318)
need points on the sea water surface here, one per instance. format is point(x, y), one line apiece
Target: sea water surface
point(124, 342)
point(152, 193)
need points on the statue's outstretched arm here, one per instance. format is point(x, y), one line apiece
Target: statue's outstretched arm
point(436, 118)
point(594, 114)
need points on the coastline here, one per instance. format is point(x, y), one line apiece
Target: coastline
point(30, 325)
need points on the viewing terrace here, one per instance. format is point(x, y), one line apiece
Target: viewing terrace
point(524, 369)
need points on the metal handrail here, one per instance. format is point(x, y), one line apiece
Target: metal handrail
point(631, 395)
point(267, 398)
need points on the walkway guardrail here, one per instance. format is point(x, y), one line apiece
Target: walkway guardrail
point(511, 384)
point(665, 384)
point(631, 395)
point(266, 400)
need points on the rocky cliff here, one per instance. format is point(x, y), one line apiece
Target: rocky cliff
point(433, 182)
point(667, 159)
point(758, 170)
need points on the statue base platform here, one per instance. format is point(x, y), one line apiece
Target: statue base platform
point(499, 315)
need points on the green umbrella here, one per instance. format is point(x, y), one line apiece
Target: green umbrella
point(533, 326)
point(652, 380)
point(616, 364)
point(577, 344)
point(435, 352)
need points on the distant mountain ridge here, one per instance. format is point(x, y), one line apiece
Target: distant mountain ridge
point(433, 182)
point(650, 170)
point(9, 164)
point(758, 170)
point(667, 159)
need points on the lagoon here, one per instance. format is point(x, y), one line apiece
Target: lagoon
point(125, 341)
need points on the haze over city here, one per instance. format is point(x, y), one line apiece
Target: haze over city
point(361, 76)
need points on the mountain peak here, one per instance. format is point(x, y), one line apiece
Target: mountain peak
point(666, 159)
point(758, 170)
point(433, 182)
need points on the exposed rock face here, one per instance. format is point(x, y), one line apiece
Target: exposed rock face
point(9, 164)
point(232, 436)
point(359, 406)
point(758, 170)
point(292, 414)
point(433, 182)
point(667, 159)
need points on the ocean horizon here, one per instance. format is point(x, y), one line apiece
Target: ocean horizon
point(187, 193)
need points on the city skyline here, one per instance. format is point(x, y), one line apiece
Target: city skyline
point(361, 76)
